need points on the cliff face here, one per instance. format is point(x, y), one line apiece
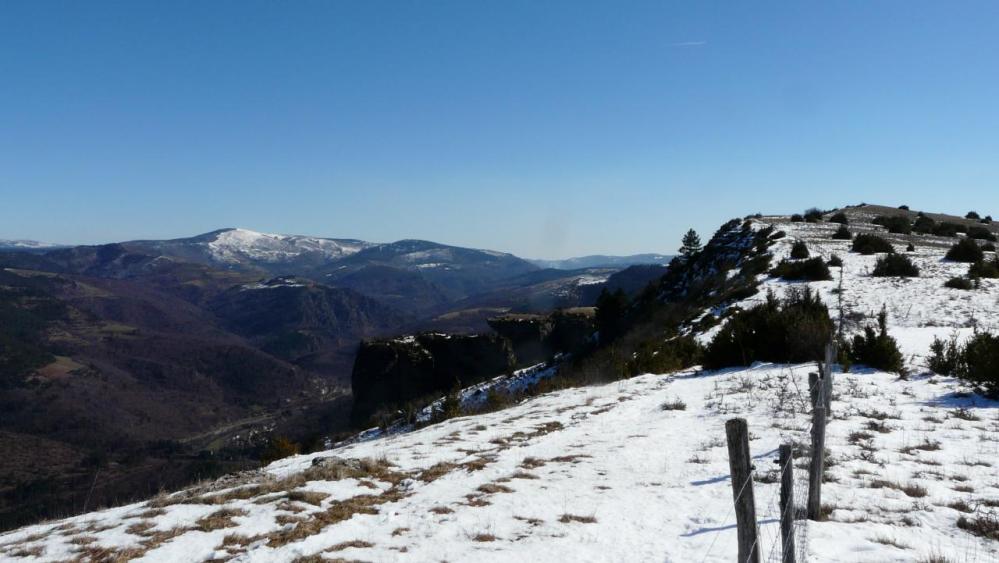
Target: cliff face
point(389, 373)
point(536, 338)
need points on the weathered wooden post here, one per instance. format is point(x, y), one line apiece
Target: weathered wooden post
point(817, 466)
point(814, 390)
point(786, 461)
point(827, 377)
point(741, 465)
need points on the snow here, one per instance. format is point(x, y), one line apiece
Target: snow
point(235, 245)
point(605, 473)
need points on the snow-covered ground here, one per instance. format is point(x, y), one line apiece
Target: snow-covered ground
point(619, 472)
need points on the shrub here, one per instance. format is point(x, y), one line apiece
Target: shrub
point(976, 362)
point(793, 329)
point(948, 229)
point(981, 233)
point(279, 447)
point(799, 250)
point(840, 218)
point(987, 220)
point(835, 261)
point(813, 215)
point(960, 283)
point(973, 215)
point(895, 265)
point(903, 207)
point(797, 218)
point(665, 356)
point(966, 250)
point(842, 233)
point(871, 244)
point(980, 363)
point(612, 309)
point(924, 225)
point(984, 269)
point(813, 269)
point(910, 248)
point(945, 357)
point(989, 247)
point(894, 224)
point(877, 349)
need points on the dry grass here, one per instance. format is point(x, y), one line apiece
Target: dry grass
point(441, 510)
point(339, 511)
point(109, 555)
point(493, 488)
point(399, 531)
point(308, 497)
point(569, 518)
point(140, 528)
point(888, 540)
point(483, 538)
point(986, 526)
point(219, 519)
point(356, 544)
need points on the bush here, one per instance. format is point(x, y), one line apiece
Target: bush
point(797, 218)
point(877, 349)
point(966, 250)
point(840, 218)
point(835, 262)
point(989, 247)
point(894, 224)
point(948, 229)
point(842, 233)
point(279, 447)
point(960, 283)
point(903, 207)
point(910, 248)
point(924, 225)
point(871, 244)
point(980, 365)
point(813, 215)
point(813, 269)
point(793, 329)
point(987, 220)
point(895, 265)
point(984, 269)
point(945, 357)
point(665, 357)
point(799, 250)
point(612, 308)
point(976, 362)
point(981, 233)
point(973, 215)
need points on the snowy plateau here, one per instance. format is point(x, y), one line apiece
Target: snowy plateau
point(620, 472)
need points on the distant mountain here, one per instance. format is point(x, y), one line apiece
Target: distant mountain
point(26, 246)
point(602, 261)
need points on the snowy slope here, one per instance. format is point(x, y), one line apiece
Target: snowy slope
point(237, 245)
point(606, 473)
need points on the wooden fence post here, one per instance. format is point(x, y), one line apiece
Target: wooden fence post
point(786, 461)
point(741, 465)
point(817, 466)
point(827, 376)
point(813, 388)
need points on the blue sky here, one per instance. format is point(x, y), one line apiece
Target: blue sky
point(547, 129)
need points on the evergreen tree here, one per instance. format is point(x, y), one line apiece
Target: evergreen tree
point(611, 308)
point(691, 244)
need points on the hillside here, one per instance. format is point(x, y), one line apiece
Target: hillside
point(635, 469)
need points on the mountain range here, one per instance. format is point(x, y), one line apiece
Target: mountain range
point(139, 357)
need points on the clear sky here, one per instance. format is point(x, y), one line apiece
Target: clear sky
point(543, 128)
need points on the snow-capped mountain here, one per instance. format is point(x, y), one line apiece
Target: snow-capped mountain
point(26, 245)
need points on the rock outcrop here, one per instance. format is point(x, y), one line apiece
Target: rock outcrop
point(536, 338)
point(390, 373)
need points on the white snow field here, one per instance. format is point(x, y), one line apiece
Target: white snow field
point(635, 470)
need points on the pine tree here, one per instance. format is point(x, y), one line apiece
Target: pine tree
point(691, 244)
